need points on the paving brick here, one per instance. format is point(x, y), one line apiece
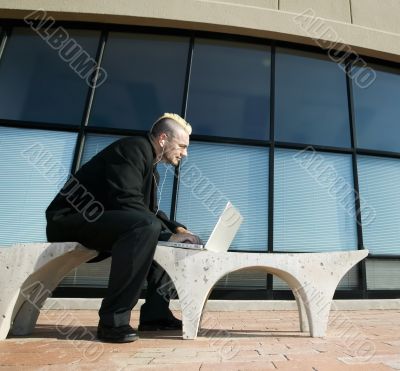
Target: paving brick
point(157, 350)
point(325, 365)
point(394, 364)
point(148, 355)
point(300, 350)
point(238, 366)
point(195, 366)
point(377, 358)
point(183, 360)
point(185, 352)
point(123, 362)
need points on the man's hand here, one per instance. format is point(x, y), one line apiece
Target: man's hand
point(182, 230)
point(186, 238)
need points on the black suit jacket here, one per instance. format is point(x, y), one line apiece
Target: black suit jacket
point(120, 177)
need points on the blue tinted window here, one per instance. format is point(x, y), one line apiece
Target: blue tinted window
point(216, 173)
point(229, 89)
point(313, 202)
point(95, 143)
point(377, 110)
point(311, 100)
point(146, 77)
point(348, 282)
point(379, 181)
point(34, 164)
point(36, 84)
point(383, 274)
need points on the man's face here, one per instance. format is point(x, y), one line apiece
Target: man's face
point(176, 148)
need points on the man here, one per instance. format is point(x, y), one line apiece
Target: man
point(122, 180)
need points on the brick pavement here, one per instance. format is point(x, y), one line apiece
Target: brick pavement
point(240, 340)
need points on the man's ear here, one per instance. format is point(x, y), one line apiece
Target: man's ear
point(163, 139)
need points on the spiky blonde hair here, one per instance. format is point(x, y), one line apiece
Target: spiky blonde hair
point(178, 119)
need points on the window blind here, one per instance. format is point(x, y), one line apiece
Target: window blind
point(215, 173)
point(313, 211)
point(379, 181)
point(348, 282)
point(34, 165)
point(383, 274)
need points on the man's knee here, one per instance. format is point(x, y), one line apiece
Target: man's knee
point(143, 230)
point(152, 224)
point(131, 221)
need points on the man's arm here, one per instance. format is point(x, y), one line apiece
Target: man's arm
point(170, 224)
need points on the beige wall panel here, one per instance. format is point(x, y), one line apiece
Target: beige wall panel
point(216, 17)
point(270, 4)
point(330, 9)
point(382, 15)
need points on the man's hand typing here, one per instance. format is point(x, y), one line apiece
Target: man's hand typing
point(185, 238)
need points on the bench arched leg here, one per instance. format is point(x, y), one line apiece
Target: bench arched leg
point(294, 284)
point(318, 287)
point(28, 313)
point(317, 304)
point(192, 309)
point(9, 300)
point(40, 285)
point(304, 327)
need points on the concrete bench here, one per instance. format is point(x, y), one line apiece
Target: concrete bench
point(312, 277)
point(30, 272)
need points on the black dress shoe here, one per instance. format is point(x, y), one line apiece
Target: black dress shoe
point(121, 334)
point(161, 324)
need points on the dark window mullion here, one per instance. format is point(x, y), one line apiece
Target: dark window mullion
point(371, 152)
point(362, 278)
point(271, 155)
point(383, 257)
point(80, 141)
point(271, 170)
point(175, 187)
point(316, 147)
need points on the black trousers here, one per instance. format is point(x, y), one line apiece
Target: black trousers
point(131, 238)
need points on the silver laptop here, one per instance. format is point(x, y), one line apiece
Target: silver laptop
point(222, 235)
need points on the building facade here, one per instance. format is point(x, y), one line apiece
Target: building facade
point(294, 106)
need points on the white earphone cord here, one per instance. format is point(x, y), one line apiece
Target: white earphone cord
point(159, 192)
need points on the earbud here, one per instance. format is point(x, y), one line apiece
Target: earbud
point(162, 143)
